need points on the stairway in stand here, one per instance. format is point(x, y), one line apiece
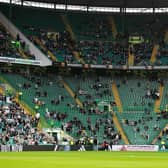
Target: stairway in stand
point(113, 26)
point(154, 54)
point(158, 101)
point(117, 97)
point(130, 56)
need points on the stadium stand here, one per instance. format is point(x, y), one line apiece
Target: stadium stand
point(88, 108)
point(90, 40)
point(94, 42)
point(117, 107)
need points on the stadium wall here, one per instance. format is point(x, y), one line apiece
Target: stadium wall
point(20, 148)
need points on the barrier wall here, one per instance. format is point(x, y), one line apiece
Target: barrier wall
point(148, 148)
point(20, 61)
point(20, 148)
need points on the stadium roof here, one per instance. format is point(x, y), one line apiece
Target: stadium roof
point(111, 3)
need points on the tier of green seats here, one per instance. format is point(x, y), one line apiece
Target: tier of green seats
point(54, 91)
point(136, 107)
point(95, 27)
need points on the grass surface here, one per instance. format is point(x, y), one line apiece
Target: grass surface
point(84, 160)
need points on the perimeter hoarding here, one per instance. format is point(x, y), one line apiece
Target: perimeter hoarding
point(147, 148)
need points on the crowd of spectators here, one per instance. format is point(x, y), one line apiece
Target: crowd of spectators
point(18, 127)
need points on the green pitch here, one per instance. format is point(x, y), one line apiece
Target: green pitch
point(84, 160)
